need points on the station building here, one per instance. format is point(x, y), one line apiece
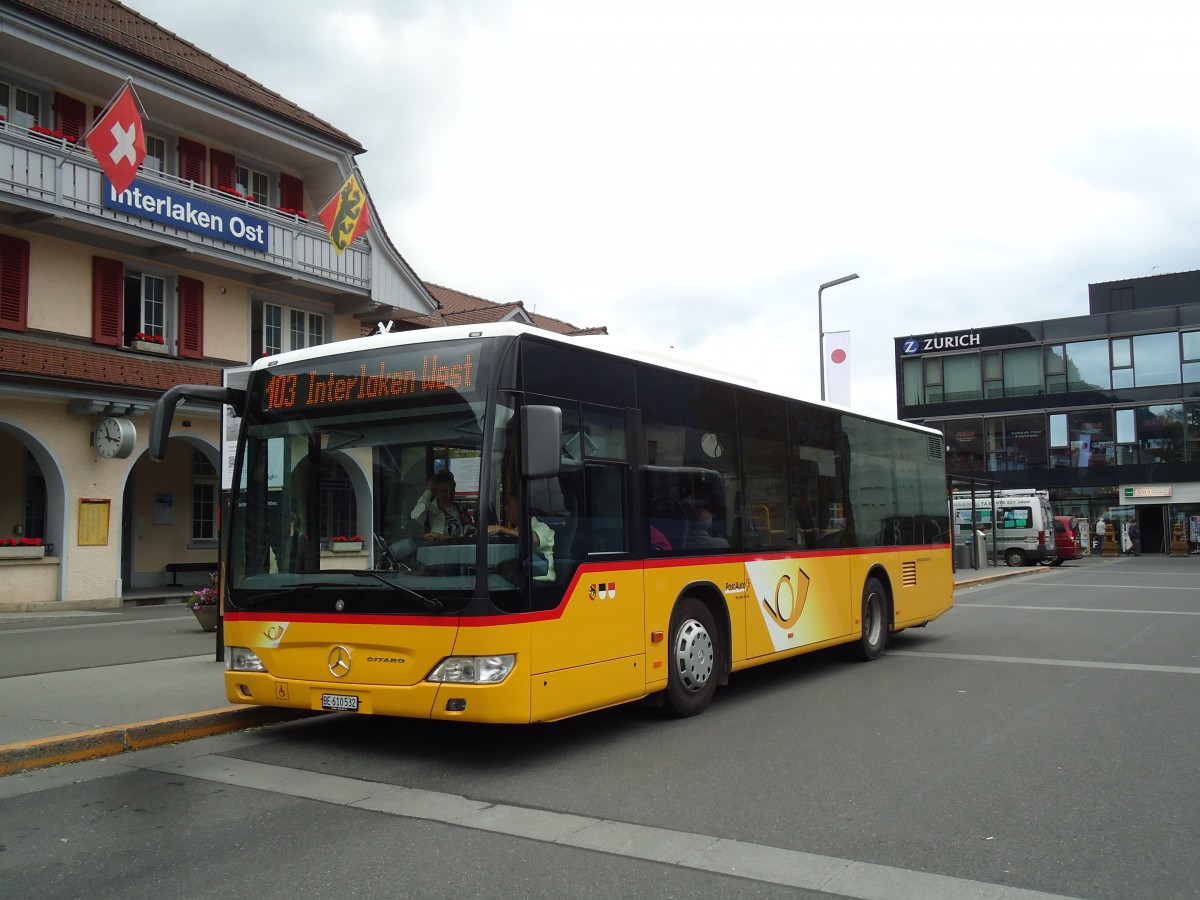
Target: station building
point(1102, 410)
point(104, 306)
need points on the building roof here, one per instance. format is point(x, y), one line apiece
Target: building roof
point(459, 308)
point(122, 27)
point(83, 366)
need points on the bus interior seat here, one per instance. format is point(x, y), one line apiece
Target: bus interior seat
point(566, 538)
point(668, 516)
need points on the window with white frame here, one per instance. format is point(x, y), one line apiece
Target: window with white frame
point(146, 305)
point(254, 185)
point(285, 328)
point(156, 154)
point(19, 106)
point(204, 498)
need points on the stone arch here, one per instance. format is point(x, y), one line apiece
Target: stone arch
point(145, 568)
point(52, 470)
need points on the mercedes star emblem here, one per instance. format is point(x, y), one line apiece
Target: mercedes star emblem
point(339, 661)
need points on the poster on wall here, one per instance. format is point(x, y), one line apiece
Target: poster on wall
point(164, 509)
point(93, 521)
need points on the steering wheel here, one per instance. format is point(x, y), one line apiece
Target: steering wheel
point(387, 558)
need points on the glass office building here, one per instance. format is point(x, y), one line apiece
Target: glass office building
point(1101, 410)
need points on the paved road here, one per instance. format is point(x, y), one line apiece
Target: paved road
point(32, 643)
point(1038, 740)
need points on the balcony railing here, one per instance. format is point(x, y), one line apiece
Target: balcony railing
point(53, 174)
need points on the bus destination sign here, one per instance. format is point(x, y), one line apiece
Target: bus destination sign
point(428, 373)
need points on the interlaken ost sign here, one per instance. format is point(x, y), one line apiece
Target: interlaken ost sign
point(160, 203)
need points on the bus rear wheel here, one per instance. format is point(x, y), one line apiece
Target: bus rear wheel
point(692, 658)
point(874, 620)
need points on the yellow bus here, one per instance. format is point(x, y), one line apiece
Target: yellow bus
point(501, 524)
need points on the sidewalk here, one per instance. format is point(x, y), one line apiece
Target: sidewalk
point(53, 718)
point(61, 717)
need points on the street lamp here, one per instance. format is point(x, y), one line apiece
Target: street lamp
point(821, 323)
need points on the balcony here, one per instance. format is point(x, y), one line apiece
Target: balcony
point(52, 186)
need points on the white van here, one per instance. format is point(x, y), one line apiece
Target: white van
point(1024, 524)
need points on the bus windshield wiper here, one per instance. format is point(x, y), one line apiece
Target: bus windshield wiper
point(428, 602)
point(259, 599)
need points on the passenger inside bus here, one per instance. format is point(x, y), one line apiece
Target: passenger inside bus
point(541, 539)
point(439, 514)
point(700, 533)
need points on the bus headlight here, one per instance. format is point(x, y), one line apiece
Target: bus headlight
point(243, 659)
point(473, 669)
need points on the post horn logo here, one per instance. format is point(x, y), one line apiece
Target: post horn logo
point(789, 599)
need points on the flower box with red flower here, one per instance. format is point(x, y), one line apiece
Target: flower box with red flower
point(149, 343)
point(21, 548)
point(342, 544)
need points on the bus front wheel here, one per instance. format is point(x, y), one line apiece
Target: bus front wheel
point(874, 620)
point(692, 658)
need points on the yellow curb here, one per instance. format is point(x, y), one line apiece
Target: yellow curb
point(69, 748)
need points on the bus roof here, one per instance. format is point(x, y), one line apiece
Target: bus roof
point(666, 358)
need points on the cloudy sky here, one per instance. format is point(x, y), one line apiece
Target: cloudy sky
point(687, 173)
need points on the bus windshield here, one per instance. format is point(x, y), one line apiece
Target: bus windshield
point(400, 433)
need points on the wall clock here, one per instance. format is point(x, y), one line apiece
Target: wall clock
point(114, 438)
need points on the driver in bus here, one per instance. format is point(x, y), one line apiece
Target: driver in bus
point(440, 515)
point(542, 539)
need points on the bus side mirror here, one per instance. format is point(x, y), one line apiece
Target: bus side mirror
point(164, 410)
point(541, 441)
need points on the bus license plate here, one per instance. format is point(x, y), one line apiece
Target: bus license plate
point(339, 702)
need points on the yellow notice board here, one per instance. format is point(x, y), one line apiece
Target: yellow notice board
point(93, 522)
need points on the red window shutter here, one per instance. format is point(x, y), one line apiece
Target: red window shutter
point(224, 169)
point(191, 160)
point(70, 115)
point(191, 318)
point(291, 192)
point(108, 294)
point(14, 283)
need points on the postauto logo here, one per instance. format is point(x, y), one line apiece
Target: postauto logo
point(941, 342)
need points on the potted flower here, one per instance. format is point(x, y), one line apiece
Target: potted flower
point(203, 604)
point(21, 548)
point(149, 343)
point(339, 543)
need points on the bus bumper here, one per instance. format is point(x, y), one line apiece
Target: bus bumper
point(507, 702)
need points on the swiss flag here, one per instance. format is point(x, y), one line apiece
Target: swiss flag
point(119, 140)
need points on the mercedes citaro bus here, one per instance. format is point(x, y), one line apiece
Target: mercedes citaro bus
point(627, 526)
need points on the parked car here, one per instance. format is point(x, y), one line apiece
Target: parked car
point(1066, 539)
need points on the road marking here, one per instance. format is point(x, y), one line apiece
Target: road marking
point(1095, 585)
point(734, 859)
point(1088, 609)
point(1081, 585)
point(1069, 663)
point(156, 620)
point(57, 614)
